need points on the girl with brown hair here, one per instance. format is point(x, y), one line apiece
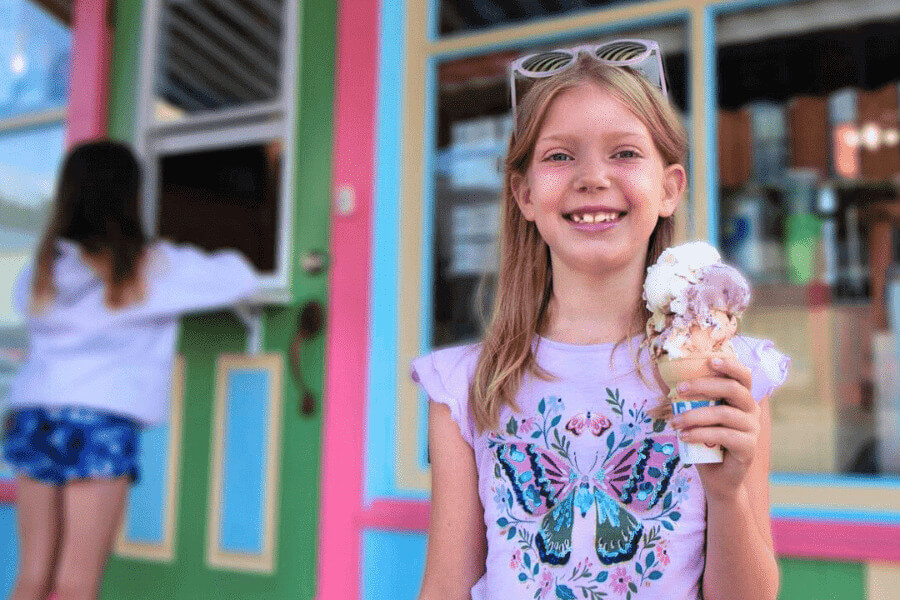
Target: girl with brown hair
point(102, 306)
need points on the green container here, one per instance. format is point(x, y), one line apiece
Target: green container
point(802, 233)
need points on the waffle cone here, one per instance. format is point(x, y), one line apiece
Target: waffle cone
point(675, 370)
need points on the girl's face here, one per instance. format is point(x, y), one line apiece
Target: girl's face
point(596, 184)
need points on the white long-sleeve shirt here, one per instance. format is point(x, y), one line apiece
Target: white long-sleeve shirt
point(83, 353)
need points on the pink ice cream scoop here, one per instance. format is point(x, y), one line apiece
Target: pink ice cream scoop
point(695, 300)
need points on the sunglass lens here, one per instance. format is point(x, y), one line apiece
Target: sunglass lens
point(546, 61)
point(621, 51)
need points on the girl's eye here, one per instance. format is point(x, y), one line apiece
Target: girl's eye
point(627, 154)
point(559, 157)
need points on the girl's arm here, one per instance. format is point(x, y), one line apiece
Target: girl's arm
point(740, 556)
point(740, 560)
point(457, 539)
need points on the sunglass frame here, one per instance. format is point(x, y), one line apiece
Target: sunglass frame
point(652, 48)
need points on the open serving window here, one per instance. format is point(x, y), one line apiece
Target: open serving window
point(216, 127)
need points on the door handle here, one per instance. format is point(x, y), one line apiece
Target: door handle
point(309, 325)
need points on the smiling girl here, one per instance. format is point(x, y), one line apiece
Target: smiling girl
point(551, 476)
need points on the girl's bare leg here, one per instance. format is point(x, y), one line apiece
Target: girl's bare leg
point(38, 517)
point(92, 512)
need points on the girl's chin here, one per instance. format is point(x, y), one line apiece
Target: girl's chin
point(597, 264)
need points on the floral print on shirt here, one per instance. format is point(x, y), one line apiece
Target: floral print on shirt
point(631, 481)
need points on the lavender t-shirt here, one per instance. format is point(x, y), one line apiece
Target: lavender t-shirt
point(583, 491)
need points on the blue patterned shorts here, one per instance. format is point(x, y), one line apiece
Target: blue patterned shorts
point(59, 445)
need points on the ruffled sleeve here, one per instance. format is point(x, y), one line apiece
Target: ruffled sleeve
point(768, 366)
point(444, 375)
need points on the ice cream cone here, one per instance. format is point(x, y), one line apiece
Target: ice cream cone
point(695, 301)
point(675, 370)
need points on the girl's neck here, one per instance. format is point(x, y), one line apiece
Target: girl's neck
point(587, 308)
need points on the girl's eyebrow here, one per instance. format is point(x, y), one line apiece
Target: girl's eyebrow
point(616, 134)
point(627, 134)
point(557, 138)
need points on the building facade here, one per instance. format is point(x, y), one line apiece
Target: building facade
point(351, 149)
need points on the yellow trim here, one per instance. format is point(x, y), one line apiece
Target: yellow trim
point(215, 556)
point(699, 153)
point(164, 552)
point(844, 498)
point(410, 474)
point(882, 581)
point(563, 26)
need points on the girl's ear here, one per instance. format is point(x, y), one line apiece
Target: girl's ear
point(674, 184)
point(522, 193)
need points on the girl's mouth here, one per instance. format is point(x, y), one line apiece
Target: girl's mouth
point(594, 220)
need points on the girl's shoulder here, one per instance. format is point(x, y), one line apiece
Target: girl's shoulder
point(768, 365)
point(445, 375)
point(450, 358)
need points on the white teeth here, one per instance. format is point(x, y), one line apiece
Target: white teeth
point(594, 217)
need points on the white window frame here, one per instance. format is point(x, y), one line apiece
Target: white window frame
point(231, 127)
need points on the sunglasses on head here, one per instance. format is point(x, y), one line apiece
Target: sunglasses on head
point(641, 55)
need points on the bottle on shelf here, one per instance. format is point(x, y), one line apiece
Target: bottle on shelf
point(854, 276)
point(802, 228)
point(827, 207)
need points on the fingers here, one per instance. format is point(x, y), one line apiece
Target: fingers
point(738, 444)
point(729, 390)
point(731, 367)
point(733, 386)
point(724, 416)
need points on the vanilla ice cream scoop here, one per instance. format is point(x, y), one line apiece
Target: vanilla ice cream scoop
point(694, 300)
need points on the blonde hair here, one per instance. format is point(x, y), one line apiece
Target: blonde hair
point(525, 279)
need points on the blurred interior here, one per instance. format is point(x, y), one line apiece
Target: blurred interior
point(807, 205)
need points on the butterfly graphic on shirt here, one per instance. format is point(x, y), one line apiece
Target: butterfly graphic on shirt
point(592, 421)
point(631, 482)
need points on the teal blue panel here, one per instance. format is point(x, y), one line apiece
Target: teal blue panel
point(381, 434)
point(146, 502)
point(9, 549)
point(393, 564)
point(244, 461)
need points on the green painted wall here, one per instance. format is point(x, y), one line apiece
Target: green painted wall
point(822, 580)
point(204, 338)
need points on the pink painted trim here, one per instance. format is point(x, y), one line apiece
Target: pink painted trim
point(343, 430)
point(7, 492)
point(854, 542)
point(89, 86)
point(836, 540)
point(397, 515)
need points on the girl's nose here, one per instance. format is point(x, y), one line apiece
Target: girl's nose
point(592, 177)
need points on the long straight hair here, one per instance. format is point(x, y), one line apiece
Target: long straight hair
point(525, 279)
point(96, 206)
